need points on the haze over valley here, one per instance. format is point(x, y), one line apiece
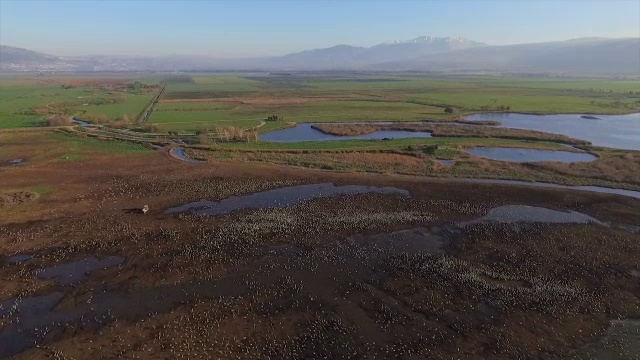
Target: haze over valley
point(585, 56)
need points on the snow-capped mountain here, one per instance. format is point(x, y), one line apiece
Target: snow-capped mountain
point(352, 56)
point(432, 39)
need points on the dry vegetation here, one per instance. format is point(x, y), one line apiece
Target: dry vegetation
point(58, 120)
point(234, 133)
point(349, 129)
point(613, 165)
point(612, 168)
point(16, 198)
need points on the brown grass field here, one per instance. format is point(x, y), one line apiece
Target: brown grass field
point(612, 168)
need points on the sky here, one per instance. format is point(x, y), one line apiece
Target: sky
point(246, 28)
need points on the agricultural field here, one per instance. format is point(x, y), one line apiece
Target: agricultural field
point(229, 112)
point(235, 100)
point(28, 101)
point(195, 101)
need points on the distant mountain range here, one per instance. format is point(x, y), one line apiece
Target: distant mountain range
point(586, 56)
point(347, 56)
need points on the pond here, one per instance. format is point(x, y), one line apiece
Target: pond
point(74, 272)
point(17, 259)
point(530, 155)
point(304, 132)
point(280, 198)
point(532, 214)
point(615, 131)
point(589, 188)
point(80, 122)
point(178, 153)
point(445, 162)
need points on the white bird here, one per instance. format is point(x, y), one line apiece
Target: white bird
point(145, 209)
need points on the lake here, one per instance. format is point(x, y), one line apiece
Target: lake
point(304, 132)
point(614, 131)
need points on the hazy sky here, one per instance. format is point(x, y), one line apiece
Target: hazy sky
point(262, 27)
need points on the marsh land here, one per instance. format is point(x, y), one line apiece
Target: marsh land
point(379, 232)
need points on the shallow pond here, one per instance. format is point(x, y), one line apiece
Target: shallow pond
point(80, 122)
point(597, 189)
point(304, 132)
point(17, 259)
point(532, 214)
point(280, 198)
point(179, 154)
point(29, 306)
point(445, 162)
point(615, 131)
point(76, 271)
point(529, 155)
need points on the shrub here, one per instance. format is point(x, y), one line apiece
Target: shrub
point(204, 139)
point(275, 118)
point(203, 130)
point(97, 118)
point(58, 120)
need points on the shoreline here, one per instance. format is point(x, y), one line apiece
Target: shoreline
point(508, 182)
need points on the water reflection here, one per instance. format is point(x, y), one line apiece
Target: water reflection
point(615, 131)
point(280, 198)
point(304, 132)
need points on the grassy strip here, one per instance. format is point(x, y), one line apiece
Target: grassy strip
point(391, 144)
point(615, 169)
point(74, 143)
point(449, 131)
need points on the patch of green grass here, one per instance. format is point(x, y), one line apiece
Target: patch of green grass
point(18, 104)
point(27, 103)
point(69, 156)
point(445, 153)
point(474, 101)
point(132, 105)
point(76, 146)
point(449, 142)
point(168, 116)
point(41, 189)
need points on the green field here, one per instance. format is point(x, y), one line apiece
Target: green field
point(189, 116)
point(196, 101)
point(236, 100)
point(390, 144)
point(25, 102)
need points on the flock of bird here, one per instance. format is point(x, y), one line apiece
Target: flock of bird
point(309, 289)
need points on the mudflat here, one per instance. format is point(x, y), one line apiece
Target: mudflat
point(349, 276)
